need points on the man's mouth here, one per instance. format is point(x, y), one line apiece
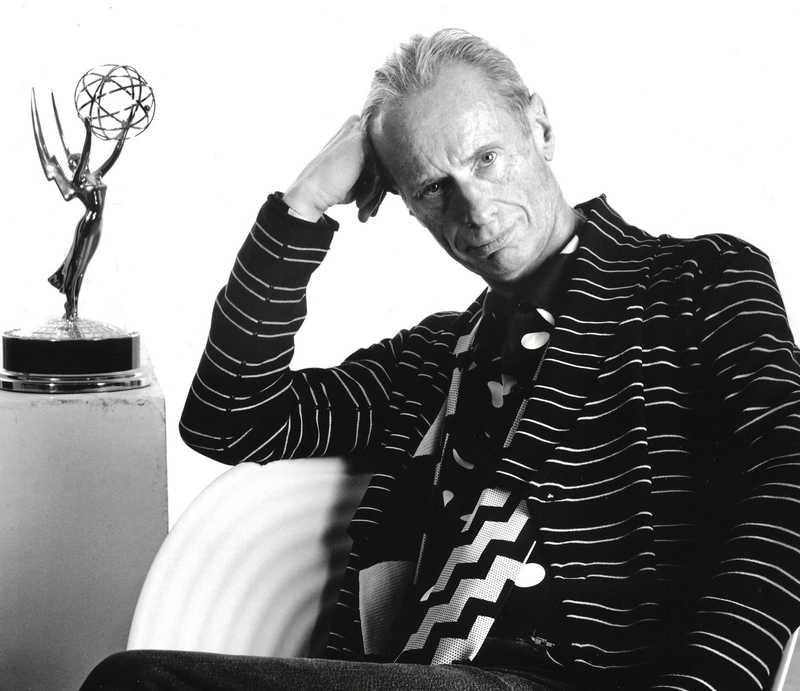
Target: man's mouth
point(488, 248)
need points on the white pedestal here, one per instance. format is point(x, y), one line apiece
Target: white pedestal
point(83, 510)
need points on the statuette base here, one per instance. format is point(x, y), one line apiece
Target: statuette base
point(71, 356)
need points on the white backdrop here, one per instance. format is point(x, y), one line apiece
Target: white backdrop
point(684, 113)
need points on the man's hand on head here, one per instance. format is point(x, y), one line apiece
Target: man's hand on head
point(342, 172)
point(370, 188)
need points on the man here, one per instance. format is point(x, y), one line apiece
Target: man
point(604, 444)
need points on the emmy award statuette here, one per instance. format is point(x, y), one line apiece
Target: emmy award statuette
point(82, 421)
point(71, 354)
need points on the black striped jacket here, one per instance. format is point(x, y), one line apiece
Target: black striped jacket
point(660, 447)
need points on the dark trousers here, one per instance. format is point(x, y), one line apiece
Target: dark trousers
point(151, 670)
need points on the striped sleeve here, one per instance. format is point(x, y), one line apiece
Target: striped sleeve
point(751, 600)
point(245, 403)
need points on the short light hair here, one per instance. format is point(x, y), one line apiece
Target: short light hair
point(416, 64)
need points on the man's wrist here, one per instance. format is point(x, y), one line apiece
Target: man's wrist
point(301, 205)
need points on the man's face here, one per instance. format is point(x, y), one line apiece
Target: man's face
point(470, 172)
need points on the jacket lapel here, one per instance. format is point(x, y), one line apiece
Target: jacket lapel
point(382, 517)
point(602, 292)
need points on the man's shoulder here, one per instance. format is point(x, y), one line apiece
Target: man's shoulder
point(439, 322)
point(706, 244)
point(706, 257)
point(710, 253)
point(439, 332)
point(445, 326)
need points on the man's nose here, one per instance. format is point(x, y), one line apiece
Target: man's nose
point(474, 204)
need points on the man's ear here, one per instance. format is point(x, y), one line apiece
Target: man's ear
point(541, 129)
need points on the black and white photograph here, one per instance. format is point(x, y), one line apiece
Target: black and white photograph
point(420, 347)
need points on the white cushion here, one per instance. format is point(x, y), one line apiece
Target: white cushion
point(251, 567)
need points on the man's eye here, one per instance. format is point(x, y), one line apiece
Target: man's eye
point(432, 190)
point(488, 158)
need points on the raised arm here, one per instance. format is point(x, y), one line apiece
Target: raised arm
point(750, 603)
point(83, 163)
point(112, 159)
point(245, 404)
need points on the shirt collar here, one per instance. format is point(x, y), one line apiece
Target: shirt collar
point(544, 287)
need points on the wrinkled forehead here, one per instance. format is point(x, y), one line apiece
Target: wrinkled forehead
point(440, 127)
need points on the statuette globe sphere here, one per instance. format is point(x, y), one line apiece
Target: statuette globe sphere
point(111, 95)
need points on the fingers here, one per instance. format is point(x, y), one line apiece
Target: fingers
point(368, 193)
point(371, 191)
point(368, 207)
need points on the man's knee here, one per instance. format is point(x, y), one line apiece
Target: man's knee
point(132, 669)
